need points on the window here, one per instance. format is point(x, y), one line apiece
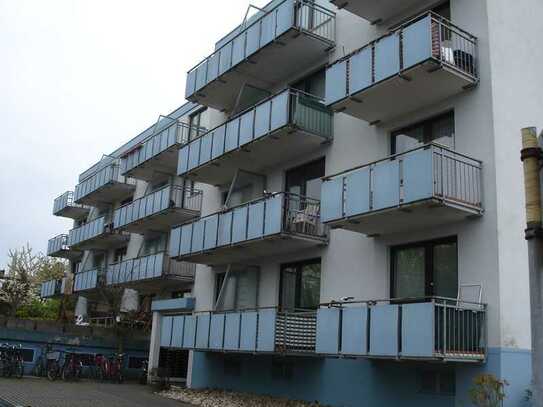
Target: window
point(306, 179)
point(195, 124)
point(127, 201)
point(154, 246)
point(237, 289)
point(425, 269)
point(300, 285)
point(441, 382)
point(119, 254)
point(313, 84)
point(439, 130)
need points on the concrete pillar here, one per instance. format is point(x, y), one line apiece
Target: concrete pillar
point(154, 346)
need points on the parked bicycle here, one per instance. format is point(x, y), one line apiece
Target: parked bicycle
point(110, 368)
point(72, 367)
point(11, 361)
point(144, 372)
point(54, 365)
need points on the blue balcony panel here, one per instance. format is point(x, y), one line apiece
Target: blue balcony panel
point(422, 188)
point(425, 61)
point(174, 304)
point(381, 11)
point(65, 206)
point(54, 288)
point(300, 33)
point(58, 247)
point(269, 226)
point(88, 280)
point(96, 234)
point(277, 130)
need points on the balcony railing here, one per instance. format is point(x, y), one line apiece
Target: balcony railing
point(95, 234)
point(160, 210)
point(53, 288)
point(106, 185)
point(64, 205)
point(278, 129)
point(380, 11)
point(420, 188)
point(215, 239)
point(88, 280)
point(262, 330)
point(149, 267)
point(158, 154)
point(432, 328)
point(245, 59)
point(421, 63)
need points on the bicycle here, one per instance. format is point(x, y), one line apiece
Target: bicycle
point(54, 370)
point(110, 368)
point(71, 370)
point(11, 361)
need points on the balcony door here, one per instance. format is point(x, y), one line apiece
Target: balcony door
point(300, 285)
point(425, 269)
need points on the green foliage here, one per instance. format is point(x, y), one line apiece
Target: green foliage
point(488, 391)
point(40, 309)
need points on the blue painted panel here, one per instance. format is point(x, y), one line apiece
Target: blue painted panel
point(384, 330)
point(249, 322)
point(232, 135)
point(267, 30)
point(216, 335)
point(418, 330)
point(239, 225)
point(279, 112)
point(238, 50)
point(246, 127)
point(417, 42)
point(266, 330)
point(231, 331)
point(197, 236)
point(202, 333)
point(253, 39)
point(211, 230)
point(387, 57)
point(225, 228)
point(328, 325)
point(273, 215)
point(191, 83)
point(262, 119)
point(219, 135)
point(194, 154)
point(225, 58)
point(213, 67)
point(357, 192)
point(178, 331)
point(386, 184)
point(201, 76)
point(336, 83)
point(285, 17)
point(186, 239)
point(174, 304)
point(166, 331)
point(205, 148)
point(360, 71)
point(332, 199)
point(417, 175)
point(189, 333)
point(256, 221)
point(354, 331)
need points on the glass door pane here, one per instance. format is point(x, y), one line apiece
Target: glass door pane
point(288, 288)
point(445, 282)
point(409, 272)
point(310, 286)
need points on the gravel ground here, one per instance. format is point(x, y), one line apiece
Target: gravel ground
point(216, 398)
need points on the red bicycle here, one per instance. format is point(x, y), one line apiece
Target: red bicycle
point(110, 368)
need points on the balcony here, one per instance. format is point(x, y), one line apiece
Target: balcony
point(88, 280)
point(285, 126)
point(65, 206)
point(104, 186)
point(429, 329)
point(280, 43)
point(273, 225)
point(157, 156)
point(96, 234)
point(159, 211)
point(422, 188)
point(421, 63)
point(152, 272)
point(382, 10)
point(58, 247)
point(264, 330)
point(53, 288)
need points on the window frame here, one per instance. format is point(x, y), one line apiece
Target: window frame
point(298, 265)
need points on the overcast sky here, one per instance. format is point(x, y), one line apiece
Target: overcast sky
point(78, 78)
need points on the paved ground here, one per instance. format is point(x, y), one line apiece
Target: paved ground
point(31, 392)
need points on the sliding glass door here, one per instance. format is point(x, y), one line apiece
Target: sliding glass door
point(300, 285)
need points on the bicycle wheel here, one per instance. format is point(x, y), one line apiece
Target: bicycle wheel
point(19, 369)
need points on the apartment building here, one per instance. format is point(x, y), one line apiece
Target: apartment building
point(359, 240)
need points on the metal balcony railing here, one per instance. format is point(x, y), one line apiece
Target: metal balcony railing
point(301, 15)
point(274, 214)
point(108, 175)
point(290, 109)
point(57, 244)
point(66, 200)
point(52, 288)
point(173, 135)
point(170, 197)
point(431, 172)
point(429, 328)
point(87, 231)
point(89, 280)
point(149, 267)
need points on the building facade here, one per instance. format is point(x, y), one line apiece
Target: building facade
point(359, 239)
